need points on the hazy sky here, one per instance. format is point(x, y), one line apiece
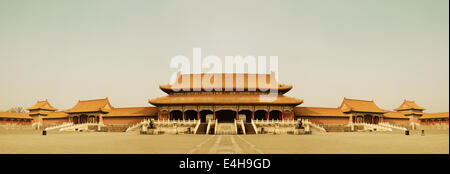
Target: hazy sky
point(65, 51)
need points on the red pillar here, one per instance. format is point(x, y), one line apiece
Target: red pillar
point(214, 115)
point(253, 115)
point(183, 115)
point(267, 115)
point(198, 115)
point(372, 119)
point(237, 115)
point(282, 115)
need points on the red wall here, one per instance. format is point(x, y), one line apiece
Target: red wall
point(54, 121)
point(14, 121)
point(433, 121)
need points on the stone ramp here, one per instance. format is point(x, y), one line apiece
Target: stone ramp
point(225, 129)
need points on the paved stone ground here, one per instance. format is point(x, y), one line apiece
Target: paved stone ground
point(32, 142)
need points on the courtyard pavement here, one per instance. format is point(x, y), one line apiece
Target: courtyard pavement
point(32, 142)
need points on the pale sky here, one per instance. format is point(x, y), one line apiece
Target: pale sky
point(65, 51)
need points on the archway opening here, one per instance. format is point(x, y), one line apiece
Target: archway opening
point(75, 120)
point(83, 118)
point(191, 115)
point(367, 118)
point(225, 116)
point(275, 115)
point(260, 115)
point(176, 115)
point(376, 119)
point(359, 119)
point(247, 114)
point(91, 119)
point(205, 113)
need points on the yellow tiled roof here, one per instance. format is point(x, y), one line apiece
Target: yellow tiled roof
point(360, 106)
point(44, 105)
point(318, 111)
point(225, 99)
point(407, 105)
point(434, 115)
point(91, 106)
point(14, 115)
point(133, 111)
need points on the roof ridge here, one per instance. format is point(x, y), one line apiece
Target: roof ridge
point(135, 107)
point(14, 112)
point(316, 107)
point(435, 112)
point(228, 73)
point(358, 99)
point(93, 100)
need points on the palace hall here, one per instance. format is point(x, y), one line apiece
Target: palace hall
point(253, 100)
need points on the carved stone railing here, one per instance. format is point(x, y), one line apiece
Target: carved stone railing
point(241, 122)
point(215, 126)
point(373, 127)
point(314, 125)
point(175, 126)
point(135, 127)
point(75, 127)
point(254, 127)
point(197, 126)
point(67, 124)
point(388, 125)
point(208, 128)
point(235, 127)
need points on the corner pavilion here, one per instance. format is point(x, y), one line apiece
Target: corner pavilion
point(188, 99)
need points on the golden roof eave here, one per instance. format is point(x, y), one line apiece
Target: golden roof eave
point(133, 112)
point(319, 112)
point(221, 99)
point(409, 105)
point(13, 115)
point(42, 105)
point(96, 105)
point(437, 115)
point(356, 105)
